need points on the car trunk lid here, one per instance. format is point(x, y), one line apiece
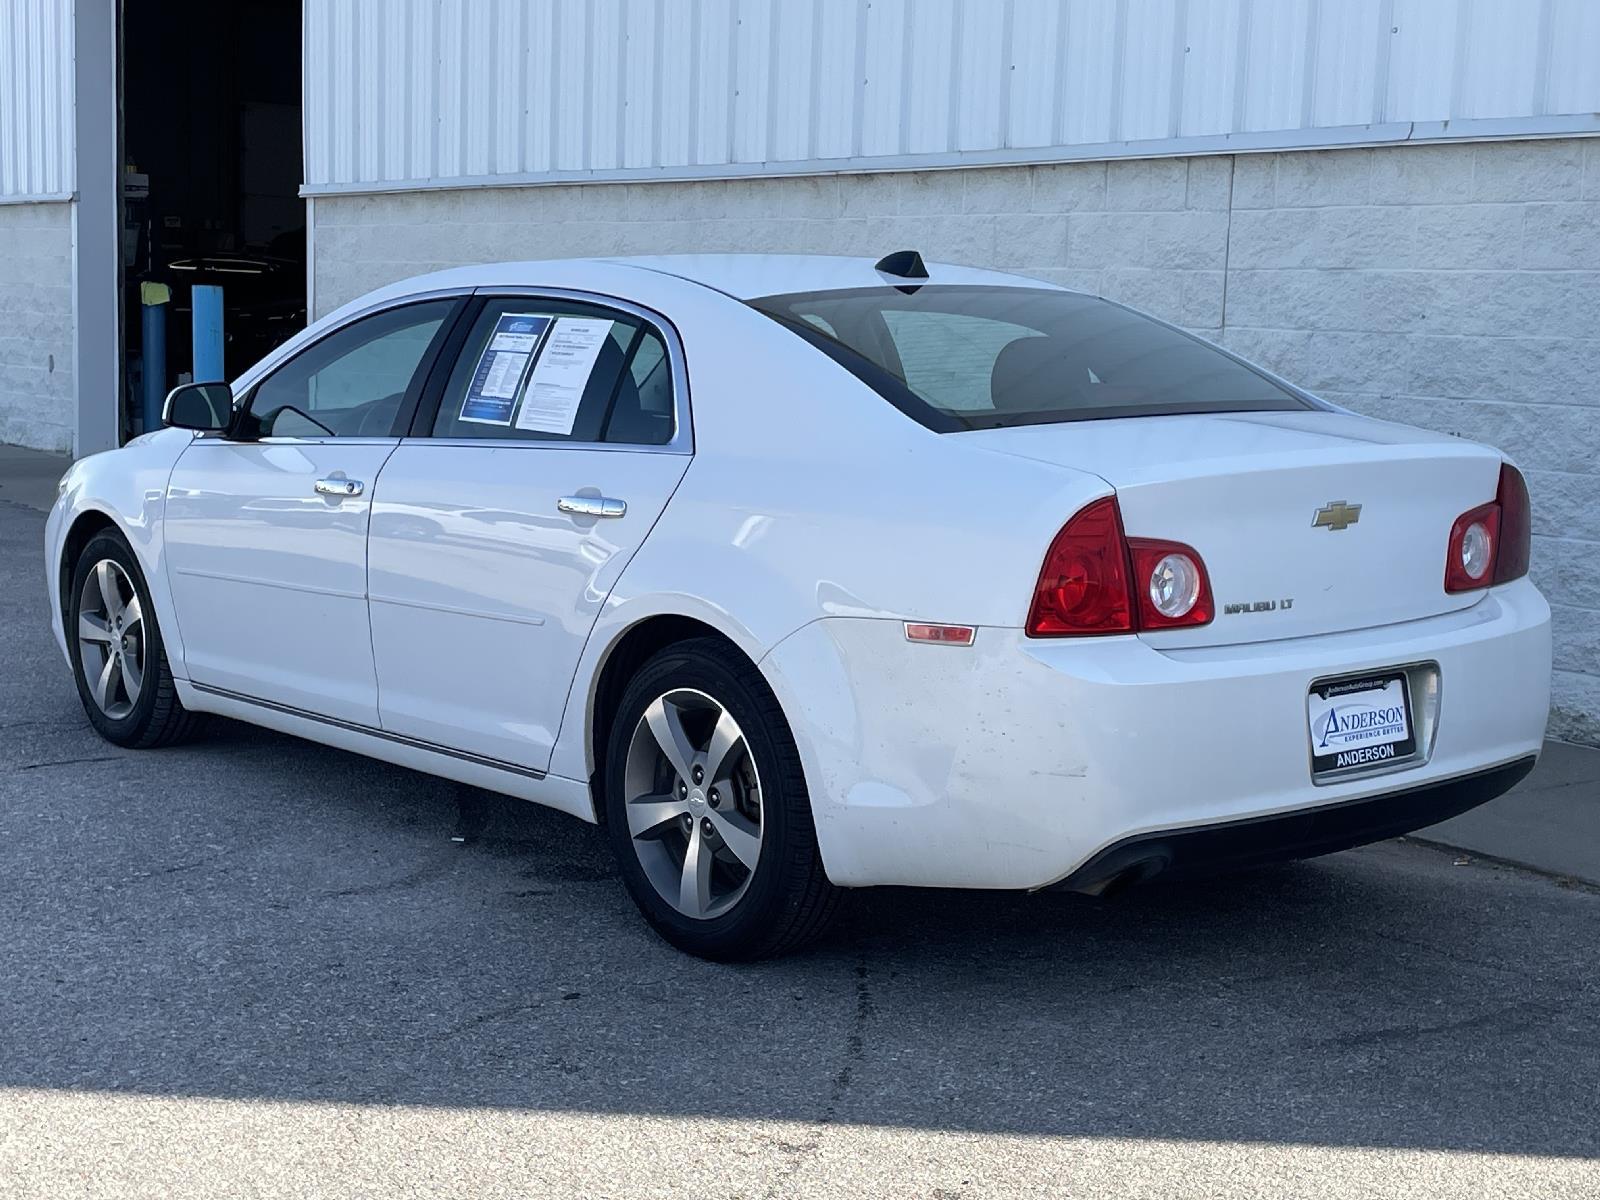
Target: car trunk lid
point(1308, 522)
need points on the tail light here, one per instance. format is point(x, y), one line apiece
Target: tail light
point(1516, 526)
point(1489, 544)
point(1083, 587)
point(1096, 580)
point(1469, 562)
point(1177, 592)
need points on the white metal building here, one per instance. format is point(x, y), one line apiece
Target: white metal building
point(1394, 202)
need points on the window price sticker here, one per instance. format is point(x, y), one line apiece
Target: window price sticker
point(492, 395)
point(562, 373)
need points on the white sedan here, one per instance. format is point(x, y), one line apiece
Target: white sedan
point(800, 574)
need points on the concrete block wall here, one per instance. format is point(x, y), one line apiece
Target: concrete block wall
point(37, 408)
point(1456, 287)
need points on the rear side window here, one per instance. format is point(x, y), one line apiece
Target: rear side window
point(959, 358)
point(533, 369)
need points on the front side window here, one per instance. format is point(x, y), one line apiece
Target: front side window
point(535, 369)
point(351, 383)
point(959, 358)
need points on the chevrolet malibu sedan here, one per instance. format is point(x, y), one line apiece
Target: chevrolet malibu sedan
point(800, 574)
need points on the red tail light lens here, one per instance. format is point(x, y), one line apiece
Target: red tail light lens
point(1490, 543)
point(1516, 526)
point(1083, 587)
point(1098, 581)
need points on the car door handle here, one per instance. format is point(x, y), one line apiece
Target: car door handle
point(592, 506)
point(339, 487)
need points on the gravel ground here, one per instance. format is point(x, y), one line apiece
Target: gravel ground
point(254, 966)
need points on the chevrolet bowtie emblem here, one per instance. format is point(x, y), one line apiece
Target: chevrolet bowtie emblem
point(1336, 516)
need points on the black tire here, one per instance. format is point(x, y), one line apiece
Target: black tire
point(788, 900)
point(156, 717)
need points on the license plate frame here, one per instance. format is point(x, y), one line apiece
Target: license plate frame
point(1365, 744)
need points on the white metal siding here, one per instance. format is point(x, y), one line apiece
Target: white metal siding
point(35, 99)
point(409, 92)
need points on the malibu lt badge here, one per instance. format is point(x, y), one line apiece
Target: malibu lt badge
point(1259, 606)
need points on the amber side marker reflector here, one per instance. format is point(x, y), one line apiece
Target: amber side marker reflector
point(944, 635)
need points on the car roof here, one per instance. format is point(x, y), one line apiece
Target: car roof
point(741, 276)
point(747, 276)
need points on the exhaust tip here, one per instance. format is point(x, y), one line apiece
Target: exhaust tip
point(1125, 876)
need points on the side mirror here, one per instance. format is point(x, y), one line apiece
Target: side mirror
point(204, 407)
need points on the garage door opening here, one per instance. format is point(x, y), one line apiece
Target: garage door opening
point(211, 170)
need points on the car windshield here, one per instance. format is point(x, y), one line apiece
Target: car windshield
point(966, 357)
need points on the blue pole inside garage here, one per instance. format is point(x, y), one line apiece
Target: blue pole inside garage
point(207, 300)
point(153, 341)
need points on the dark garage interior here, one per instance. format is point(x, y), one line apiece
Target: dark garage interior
point(211, 152)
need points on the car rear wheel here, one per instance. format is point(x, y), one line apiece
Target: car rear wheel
point(118, 658)
point(707, 810)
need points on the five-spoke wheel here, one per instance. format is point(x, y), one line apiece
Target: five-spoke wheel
point(111, 639)
point(693, 801)
point(123, 679)
point(707, 810)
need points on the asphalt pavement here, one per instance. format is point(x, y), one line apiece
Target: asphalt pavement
point(254, 966)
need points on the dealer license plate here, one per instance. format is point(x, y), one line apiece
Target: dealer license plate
point(1359, 723)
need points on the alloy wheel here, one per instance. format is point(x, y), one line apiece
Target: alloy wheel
point(111, 639)
point(693, 801)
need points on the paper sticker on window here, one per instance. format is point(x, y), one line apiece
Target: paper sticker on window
point(501, 368)
point(556, 386)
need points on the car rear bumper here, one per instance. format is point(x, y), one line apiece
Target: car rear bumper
point(1021, 763)
point(1299, 833)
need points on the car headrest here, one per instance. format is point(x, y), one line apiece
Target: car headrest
point(1027, 376)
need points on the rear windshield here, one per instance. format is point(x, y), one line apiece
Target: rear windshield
point(956, 357)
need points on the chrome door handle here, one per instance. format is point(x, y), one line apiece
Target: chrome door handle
point(339, 487)
point(592, 506)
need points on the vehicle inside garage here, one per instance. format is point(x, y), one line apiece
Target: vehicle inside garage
point(213, 229)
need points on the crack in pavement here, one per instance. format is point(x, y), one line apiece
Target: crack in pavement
point(427, 872)
point(70, 762)
point(1511, 1018)
point(854, 1053)
point(855, 1045)
point(485, 1018)
point(158, 873)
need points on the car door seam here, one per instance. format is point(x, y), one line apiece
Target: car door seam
point(166, 559)
point(366, 581)
point(572, 684)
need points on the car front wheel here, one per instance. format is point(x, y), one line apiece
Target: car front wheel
point(118, 657)
point(707, 809)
